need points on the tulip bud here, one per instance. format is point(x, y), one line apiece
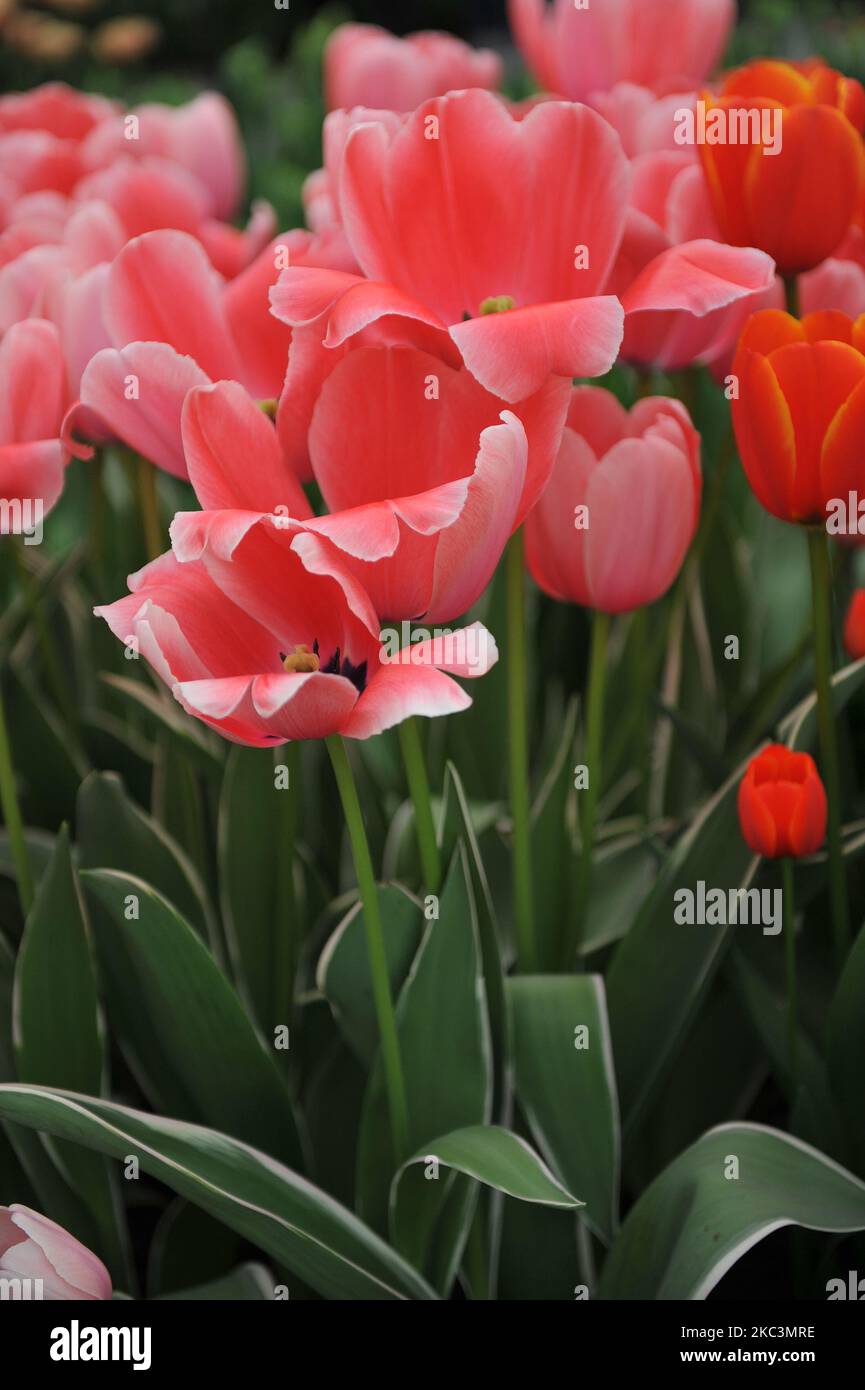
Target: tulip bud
point(782, 804)
point(616, 519)
point(854, 626)
point(34, 1248)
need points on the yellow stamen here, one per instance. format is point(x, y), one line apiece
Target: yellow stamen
point(302, 660)
point(498, 304)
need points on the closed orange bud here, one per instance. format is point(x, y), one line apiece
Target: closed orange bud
point(797, 203)
point(799, 414)
point(782, 804)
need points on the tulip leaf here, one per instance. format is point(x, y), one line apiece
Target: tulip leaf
point(622, 874)
point(50, 771)
point(114, 833)
point(459, 824)
point(179, 1021)
point(58, 1027)
point(40, 850)
point(445, 1049)
point(298, 1225)
point(566, 1085)
point(799, 729)
point(845, 1050)
point(343, 974)
point(165, 714)
point(247, 1283)
point(737, 1184)
point(261, 918)
point(487, 1154)
point(552, 845)
point(662, 970)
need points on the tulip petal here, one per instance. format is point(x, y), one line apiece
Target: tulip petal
point(512, 354)
point(149, 420)
point(163, 289)
point(223, 430)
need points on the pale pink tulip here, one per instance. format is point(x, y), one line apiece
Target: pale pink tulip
point(575, 49)
point(621, 509)
point(367, 66)
point(36, 1249)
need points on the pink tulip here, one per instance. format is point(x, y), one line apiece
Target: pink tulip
point(266, 637)
point(422, 494)
point(32, 400)
point(449, 215)
point(34, 1248)
point(621, 509)
point(200, 137)
point(577, 49)
point(176, 324)
point(367, 66)
point(79, 177)
point(56, 109)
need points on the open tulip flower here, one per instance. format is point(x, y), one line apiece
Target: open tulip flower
point(579, 49)
point(621, 509)
point(34, 1248)
point(782, 804)
point(799, 414)
point(367, 66)
point(456, 254)
point(268, 638)
point(798, 202)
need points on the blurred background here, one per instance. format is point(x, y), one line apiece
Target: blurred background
point(266, 56)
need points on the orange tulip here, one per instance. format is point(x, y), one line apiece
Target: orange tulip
point(798, 203)
point(799, 415)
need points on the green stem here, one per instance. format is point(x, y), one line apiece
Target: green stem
point(790, 956)
point(791, 293)
point(418, 784)
point(389, 1040)
point(148, 496)
point(518, 756)
point(594, 734)
point(12, 818)
point(643, 685)
point(821, 589)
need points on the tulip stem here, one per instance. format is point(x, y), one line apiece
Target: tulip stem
point(518, 756)
point(592, 753)
point(418, 785)
point(790, 956)
point(12, 818)
point(821, 589)
point(791, 294)
point(149, 499)
point(384, 1010)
